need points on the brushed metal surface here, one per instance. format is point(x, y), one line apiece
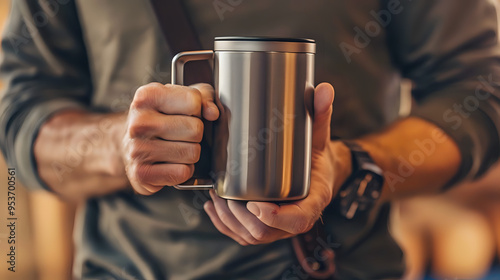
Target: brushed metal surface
point(262, 139)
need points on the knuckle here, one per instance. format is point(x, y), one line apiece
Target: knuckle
point(171, 178)
point(195, 152)
point(260, 233)
point(224, 217)
point(223, 230)
point(139, 126)
point(138, 152)
point(190, 152)
point(196, 127)
point(193, 101)
point(181, 174)
point(135, 152)
point(142, 173)
point(206, 87)
point(143, 95)
point(251, 240)
point(132, 149)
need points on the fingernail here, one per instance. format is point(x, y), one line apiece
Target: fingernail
point(254, 209)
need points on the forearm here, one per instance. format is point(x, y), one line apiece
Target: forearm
point(416, 157)
point(78, 154)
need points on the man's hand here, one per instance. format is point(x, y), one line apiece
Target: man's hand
point(164, 129)
point(264, 222)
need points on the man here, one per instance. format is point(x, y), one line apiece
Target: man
point(81, 120)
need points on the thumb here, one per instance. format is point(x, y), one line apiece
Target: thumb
point(323, 99)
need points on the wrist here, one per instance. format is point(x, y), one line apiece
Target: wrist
point(107, 156)
point(382, 158)
point(342, 164)
point(362, 189)
point(114, 127)
point(74, 149)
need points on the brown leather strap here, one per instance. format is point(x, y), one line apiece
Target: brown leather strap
point(315, 253)
point(181, 36)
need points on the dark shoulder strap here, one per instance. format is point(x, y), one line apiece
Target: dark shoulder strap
point(180, 35)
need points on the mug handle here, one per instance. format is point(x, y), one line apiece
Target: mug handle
point(178, 79)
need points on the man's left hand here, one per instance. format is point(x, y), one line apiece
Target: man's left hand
point(265, 222)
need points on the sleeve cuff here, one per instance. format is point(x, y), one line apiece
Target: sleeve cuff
point(23, 146)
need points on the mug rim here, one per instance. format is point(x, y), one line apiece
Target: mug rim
point(264, 44)
point(264, 39)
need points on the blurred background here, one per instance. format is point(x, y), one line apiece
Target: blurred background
point(455, 235)
point(44, 226)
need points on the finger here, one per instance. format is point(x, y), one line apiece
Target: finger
point(323, 99)
point(146, 189)
point(161, 151)
point(299, 216)
point(296, 217)
point(159, 175)
point(227, 217)
point(168, 99)
point(209, 109)
point(260, 231)
point(212, 214)
point(290, 217)
point(152, 124)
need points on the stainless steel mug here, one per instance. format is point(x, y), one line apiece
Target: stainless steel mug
point(264, 88)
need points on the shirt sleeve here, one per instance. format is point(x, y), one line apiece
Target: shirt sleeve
point(449, 49)
point(44, 69)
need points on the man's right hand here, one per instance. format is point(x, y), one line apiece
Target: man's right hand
point(163, 134)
